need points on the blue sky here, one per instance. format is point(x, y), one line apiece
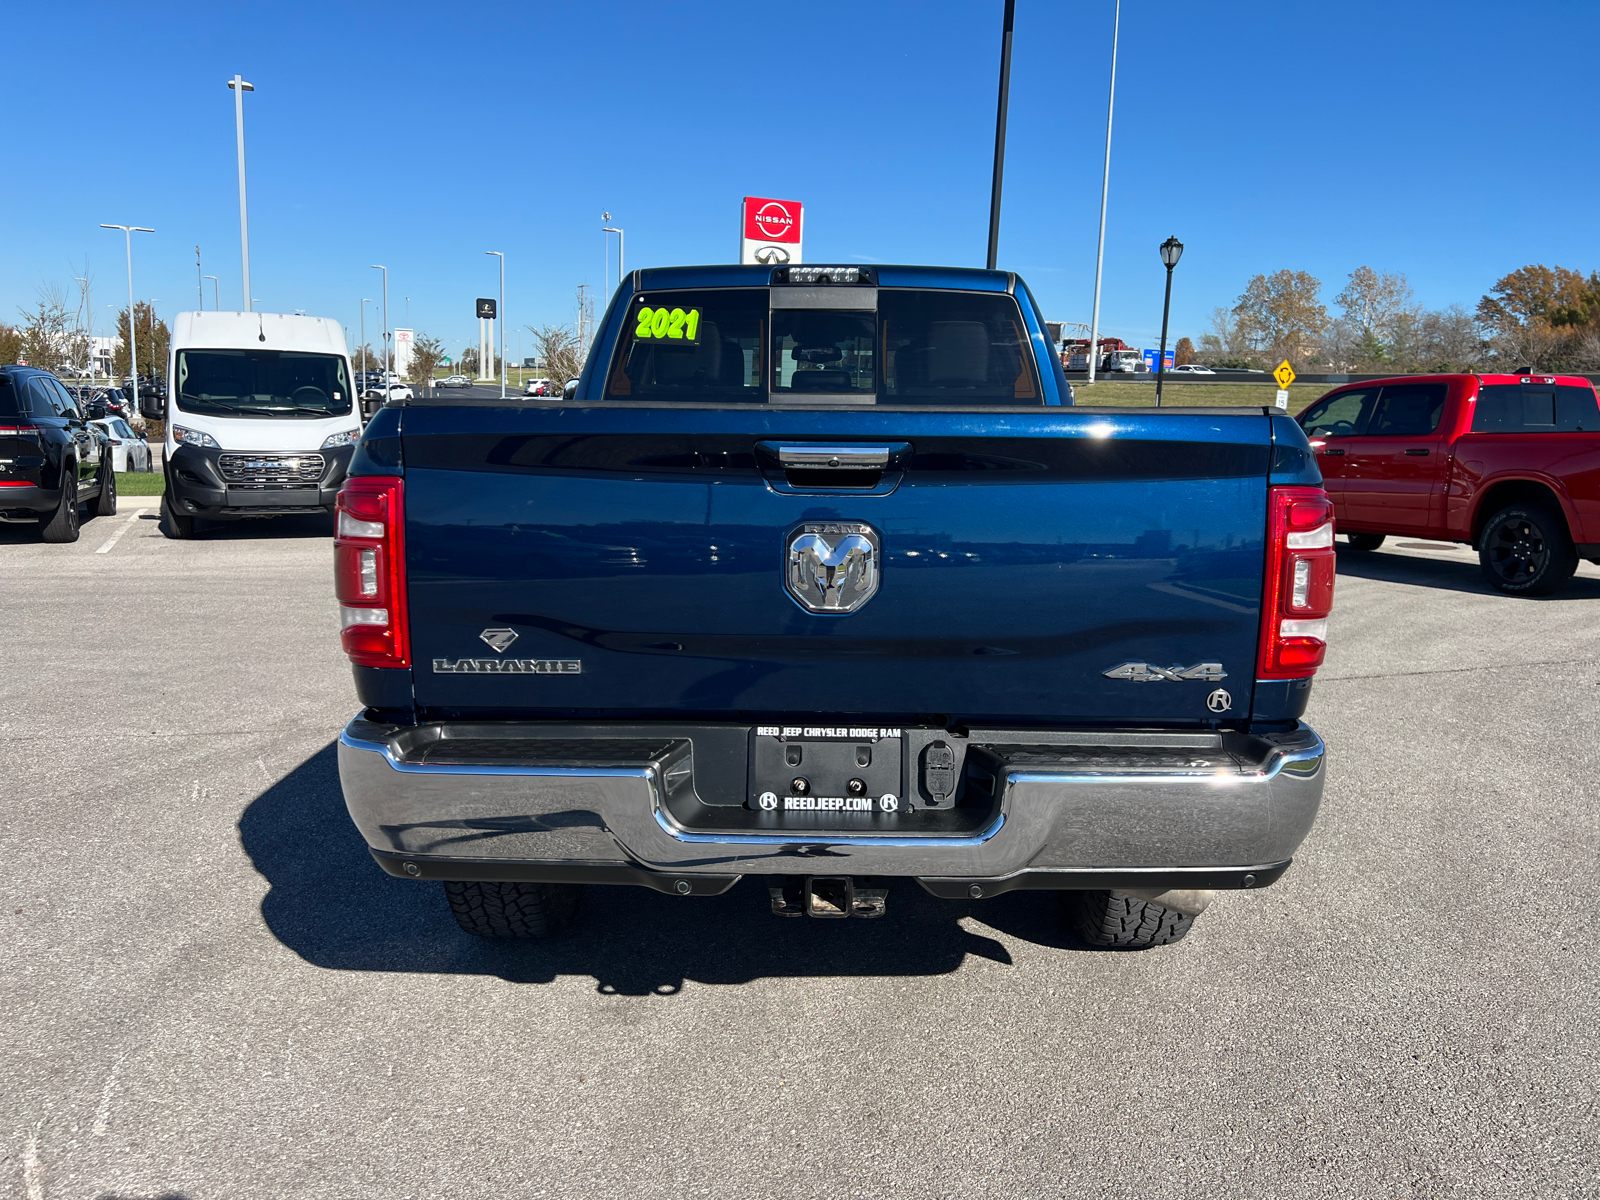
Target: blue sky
point(1453, 142)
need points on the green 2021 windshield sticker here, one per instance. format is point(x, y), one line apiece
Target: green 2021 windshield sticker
point(668, 325)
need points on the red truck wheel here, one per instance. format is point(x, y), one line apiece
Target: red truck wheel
point(1364, 542)
point(1525, 551)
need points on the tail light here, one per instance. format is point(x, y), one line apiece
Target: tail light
point(18, 431)
point(369, 570)
point(1299, 583)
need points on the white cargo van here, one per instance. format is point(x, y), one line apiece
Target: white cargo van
point(261, 417)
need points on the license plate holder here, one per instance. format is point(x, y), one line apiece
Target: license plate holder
point(842, 770)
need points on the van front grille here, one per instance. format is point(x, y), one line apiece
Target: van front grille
point(271, 468)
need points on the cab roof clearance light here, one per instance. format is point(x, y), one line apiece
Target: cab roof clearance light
point(826, 275)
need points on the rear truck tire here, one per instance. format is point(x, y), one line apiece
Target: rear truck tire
point(172, 525)
point(1524, 550)
point(1120, 921)
point(1364, 542)
point(105, 504)
point(63, 524)
point(512, 910)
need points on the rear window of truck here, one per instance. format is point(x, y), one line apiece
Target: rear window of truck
point(916, 347)
point(1535, 408)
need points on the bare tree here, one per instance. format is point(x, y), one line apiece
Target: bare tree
point(1340, 345)
point(559, 349)
point(51, 335)
point(1450, 340)
point(1222, 337)
point(1377, 302)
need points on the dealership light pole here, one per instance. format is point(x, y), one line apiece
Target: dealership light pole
point(1000, 132)
point(240, 87)
point(387, 368)
point(1105, 187)
point(216, 294)
point(133, 347)
point(620, 240)
point(501, 318)
point(1171, 252)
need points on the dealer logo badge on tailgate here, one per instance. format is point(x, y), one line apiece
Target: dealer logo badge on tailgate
point(832, 566)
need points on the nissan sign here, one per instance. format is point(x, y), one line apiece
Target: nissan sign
point(770, 231)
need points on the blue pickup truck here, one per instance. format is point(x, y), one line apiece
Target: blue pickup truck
point(821, 577)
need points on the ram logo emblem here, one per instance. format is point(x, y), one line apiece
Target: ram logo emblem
point(832, 566)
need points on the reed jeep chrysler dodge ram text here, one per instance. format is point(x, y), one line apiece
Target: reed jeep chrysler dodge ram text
point(819, 577)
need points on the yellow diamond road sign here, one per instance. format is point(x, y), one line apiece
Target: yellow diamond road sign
point(1284, 374)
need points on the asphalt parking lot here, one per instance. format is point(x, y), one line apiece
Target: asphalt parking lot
point(211, 991)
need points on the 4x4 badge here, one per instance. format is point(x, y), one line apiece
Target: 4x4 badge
point(1138, 672)
point(498, 640)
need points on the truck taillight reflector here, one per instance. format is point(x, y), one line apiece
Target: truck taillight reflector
point(1298, 594)
point(369, 570)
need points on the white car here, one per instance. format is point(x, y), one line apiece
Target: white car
point(129, 451)
point(1191, 369)
point(536, 387)
point(457, 381)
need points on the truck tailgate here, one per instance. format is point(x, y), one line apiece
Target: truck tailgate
point(1022, 557)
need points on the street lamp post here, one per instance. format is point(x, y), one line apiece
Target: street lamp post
point(133, 342)
point(240, 87)
point(199, 278)
point(216, 294)
point(620, 240)
point(387, 366)
point(1171, 252)
point(1105, 188)
point(501, 318)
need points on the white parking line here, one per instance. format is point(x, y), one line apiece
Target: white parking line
point(121, 529)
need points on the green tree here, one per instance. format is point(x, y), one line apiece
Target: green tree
point(425, 355)
point(155, 339)
point(10, 343)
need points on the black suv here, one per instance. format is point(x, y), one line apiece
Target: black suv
point(51, 458)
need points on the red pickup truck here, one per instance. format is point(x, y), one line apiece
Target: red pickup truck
point(1509, 464)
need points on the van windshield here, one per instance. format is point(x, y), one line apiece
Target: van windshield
point(262, 383)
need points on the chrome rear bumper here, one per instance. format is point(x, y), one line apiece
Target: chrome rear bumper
point(619, 805)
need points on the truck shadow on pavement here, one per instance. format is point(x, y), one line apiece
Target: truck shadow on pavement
point(330, 904)
point(1460, 574)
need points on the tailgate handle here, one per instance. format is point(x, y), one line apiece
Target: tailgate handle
point(834, 458)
